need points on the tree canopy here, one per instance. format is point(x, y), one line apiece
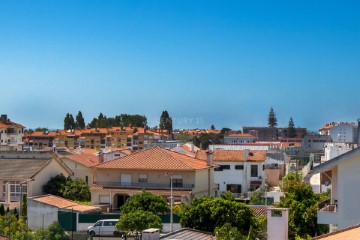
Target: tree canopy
point(80, 122)
point(136, 221)
point(207, 213)
point(145, 201)
point(122, 120)
point(55, 185)
point(291, 131)
point(272, 120)
point(205, 139)
point(69, 122)
point(166, 122)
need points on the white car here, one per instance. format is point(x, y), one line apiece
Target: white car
point(105, 227)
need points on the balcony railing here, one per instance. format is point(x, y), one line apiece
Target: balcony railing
point(176, 186)
point(329, 208)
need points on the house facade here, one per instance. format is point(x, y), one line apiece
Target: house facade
point(238, 171)
point(11, 135)
point(341, 210)
point(340, 132)
point(152, 170)
point(239, 138)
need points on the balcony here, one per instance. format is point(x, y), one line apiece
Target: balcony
point(327, 213)
point(143, 185)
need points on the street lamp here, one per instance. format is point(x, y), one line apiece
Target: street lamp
point(171, 201)
point(21, 192)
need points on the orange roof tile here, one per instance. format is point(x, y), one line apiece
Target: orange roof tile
point(240, 135)
point(350, 233)
point(10, 124)
point(233, 155)
point(155, 158)
point(85, 159)
point(64, 203)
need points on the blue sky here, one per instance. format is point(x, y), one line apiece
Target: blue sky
point(206, 62)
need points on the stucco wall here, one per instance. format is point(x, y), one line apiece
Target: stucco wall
point(40, 215)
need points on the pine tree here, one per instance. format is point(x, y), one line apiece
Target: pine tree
point(71, 122)
point(272, 120)
point(166, 122)
point(67, 122)
point(291, 131)
point(80, 122)
point(212, 127)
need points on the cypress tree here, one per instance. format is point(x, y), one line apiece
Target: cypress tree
point(272, 120)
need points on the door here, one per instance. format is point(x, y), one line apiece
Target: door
point(126, 179)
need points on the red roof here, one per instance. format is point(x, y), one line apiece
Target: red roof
point(86, 159)
point(233, 155)
point(240, 135)
point(155, 158)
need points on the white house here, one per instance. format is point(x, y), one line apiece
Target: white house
point(340, 132)
point(239, 171)
point(11, 135)
point(237, 138)
point(342, 209)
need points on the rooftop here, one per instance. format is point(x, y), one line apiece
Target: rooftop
point(233, 155)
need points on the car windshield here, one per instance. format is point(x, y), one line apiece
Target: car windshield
point(98, 224)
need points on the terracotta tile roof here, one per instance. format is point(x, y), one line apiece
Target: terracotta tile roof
point(240, 135)
point(233, 155)
point(85, 159)
point(10, 124)
point(155, 158)
point(63, 203)
point(43, 134)
point(349, 233)
point(131, 191)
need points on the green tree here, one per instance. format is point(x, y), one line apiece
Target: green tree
point(15, 212)
point(77, 190)
point(80, 122)
point(183, 137)
point(24, 206)
point(207, 213)
point(225, 131)
point(228, 232)
point(272, 120)
point(67, 122)
point(137, 221)
point(166, 122)
point(291, 131)
point(257, 198)
point(53, 232)
point(205, 139)
point(145, 201)
point(212, 127)
point(55, 185)
point(13, 228)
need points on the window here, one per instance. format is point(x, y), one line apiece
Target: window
point(234, 188)
point(177, 181)
point(239, 167)
point(143, 178)
point(254, 171)
point(104, 199)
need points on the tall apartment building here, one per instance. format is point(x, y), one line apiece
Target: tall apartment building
point(11, 135)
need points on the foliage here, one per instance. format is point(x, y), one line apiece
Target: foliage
point(302, 203)
point(225, 131)
point(257, 197)
point(227, 232)
point(288, 181)
point(122, 120)
point(77, 190)
point(272, 120)
point(212, 127)
point(291, 131)
point(166, 122)
point(13, 228)
point(227, 196)
point(207, 213)
point(53, 232)
point(205, 139)
point(24, 206)
point(80, 122)
point(137, 221)
point(55, 185)
point(145, 201)
point(184, 137)
point(69, 122)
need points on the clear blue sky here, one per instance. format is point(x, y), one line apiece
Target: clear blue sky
point(206, 62)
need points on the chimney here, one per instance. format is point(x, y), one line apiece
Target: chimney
point(210, 158)
point(246, 153)
point(101, 157)
point(3, 118)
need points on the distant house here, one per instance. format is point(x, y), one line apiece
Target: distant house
point(11, 135)
point(27, 172)
point(340, 132)
point(341, 210)
point(237, 138)
point(152, 170)
point(239, 171)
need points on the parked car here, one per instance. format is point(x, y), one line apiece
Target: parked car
point(105, 227)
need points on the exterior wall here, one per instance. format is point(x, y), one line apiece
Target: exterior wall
point(272, 177)
point(204, 184)
point(315, 142)
point(237, 140)
point(241, 147)
point(343, 133)
point(50, 170)
point(79, 170)
point(333, 150)
point(40, 215)
point(277, 225)
point(11, 141)
point(234, 176)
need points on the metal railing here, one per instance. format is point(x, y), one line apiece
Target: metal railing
point(176, 186)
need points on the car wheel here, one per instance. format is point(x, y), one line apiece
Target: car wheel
point(117, 234)
point(92, 234)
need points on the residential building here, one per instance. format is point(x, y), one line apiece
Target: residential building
point(27, 172)
point(349, 233)
point(239, 171)
point(315, 141)
point(342, 172)
point(11, 135)
point(152, 170)
point(272, 134)
point(342, 132)
point(239, 138)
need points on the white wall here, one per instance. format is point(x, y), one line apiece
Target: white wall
point(40, 215)
point(343, 133)
point(277, 226)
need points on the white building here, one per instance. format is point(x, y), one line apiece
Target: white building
point(239, 171)
point(11, 135)
point(237, 138)
point(342, 209)
point(340, 132)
